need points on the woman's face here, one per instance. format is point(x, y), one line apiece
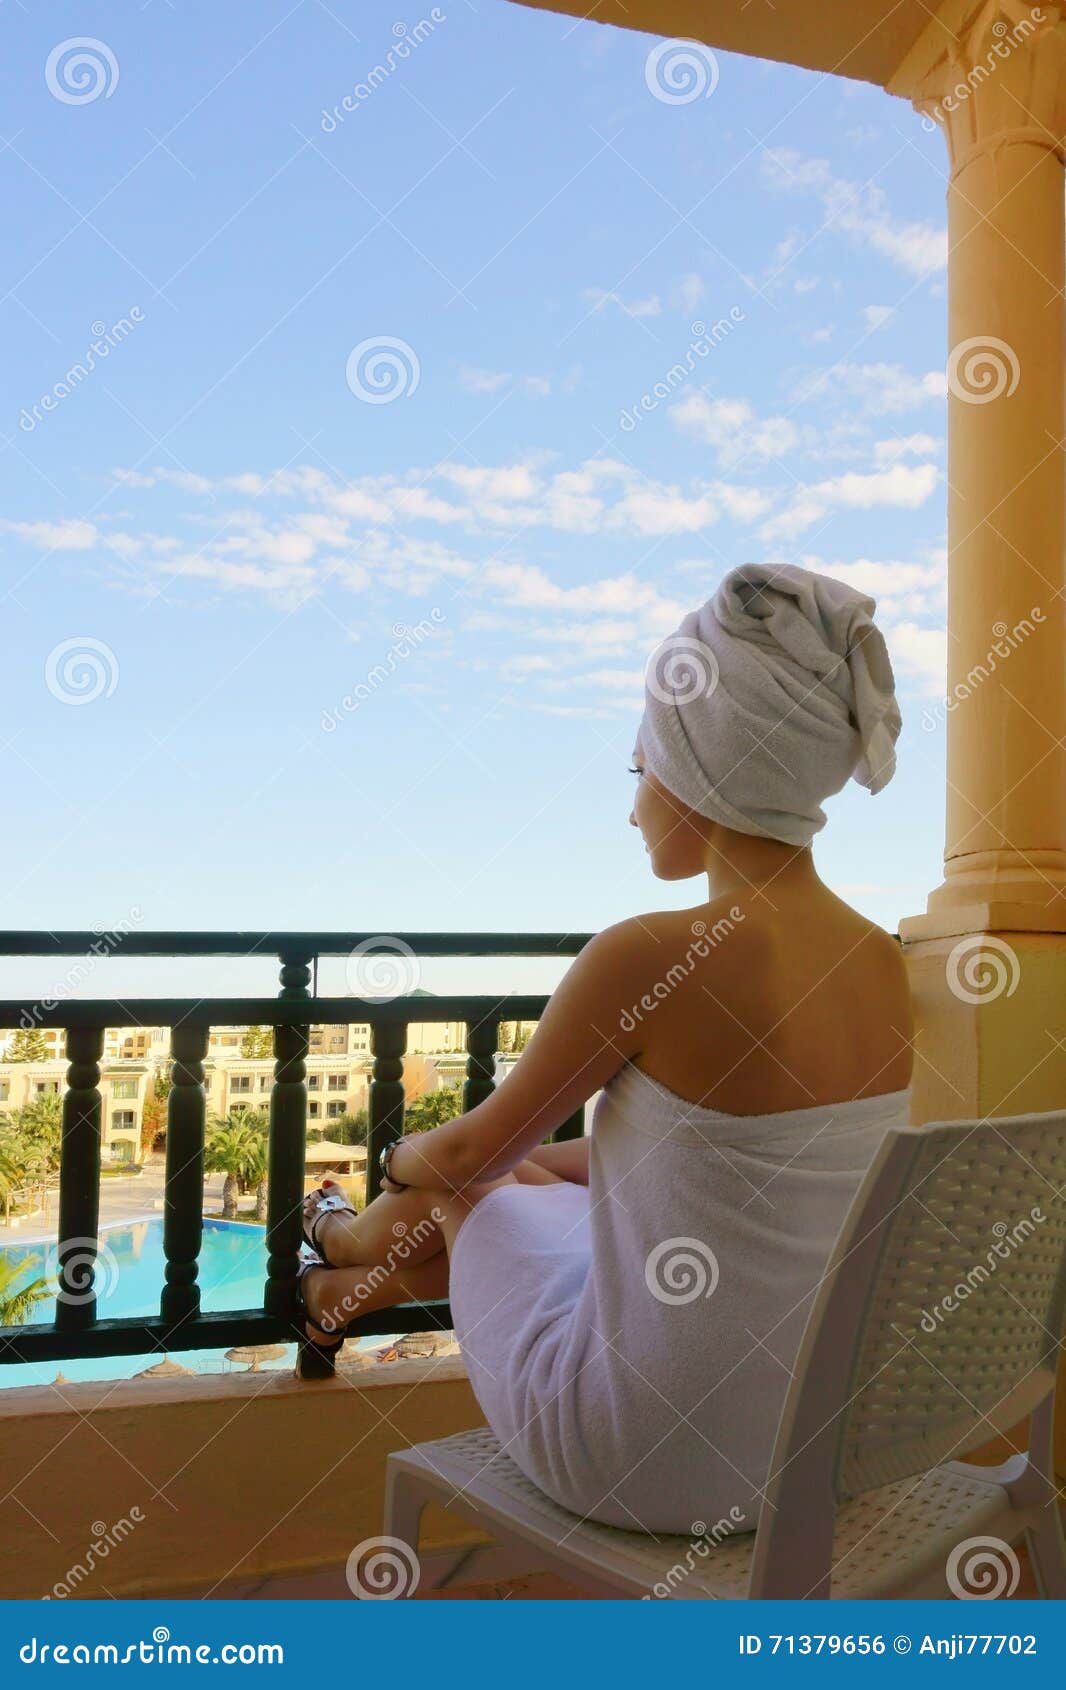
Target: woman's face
point(674, 836)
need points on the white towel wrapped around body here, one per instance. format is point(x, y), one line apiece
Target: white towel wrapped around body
point(766, 700)
point(630, 1342)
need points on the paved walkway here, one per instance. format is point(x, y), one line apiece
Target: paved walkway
point(124, 1197)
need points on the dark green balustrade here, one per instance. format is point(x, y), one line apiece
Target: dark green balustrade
point(181, 1324)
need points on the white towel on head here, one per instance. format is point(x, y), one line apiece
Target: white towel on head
point(768, 699)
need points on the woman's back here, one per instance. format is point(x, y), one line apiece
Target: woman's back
point(772, 1000)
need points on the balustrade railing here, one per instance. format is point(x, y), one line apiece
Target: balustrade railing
point(181, 1324)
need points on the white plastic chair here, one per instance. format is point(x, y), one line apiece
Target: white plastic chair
point(866, 1495)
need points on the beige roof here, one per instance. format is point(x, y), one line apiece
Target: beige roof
point(328, 1151)
point(865, 39)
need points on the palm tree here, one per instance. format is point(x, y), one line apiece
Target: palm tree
point(11, 1174)
point(16, 1301)
point(432, 1108)
point(29, 1146)
point(255, 1172)
point(229, 1145)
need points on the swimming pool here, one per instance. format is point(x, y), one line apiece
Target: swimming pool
point(129, 1277)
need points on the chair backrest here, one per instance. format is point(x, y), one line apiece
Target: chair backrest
point(937, 1324)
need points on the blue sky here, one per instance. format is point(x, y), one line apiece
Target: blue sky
point(240, 534)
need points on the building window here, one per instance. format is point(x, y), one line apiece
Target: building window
point(123, 1121)
point(313, 1108)
point(338, 1082)
point(265, 1082)
point(46, 1088)
point(334, 1111)
point(240, 1082)
point(123, 1088)
point(314, 1082)
point(5, 1090)
point(121, 1150)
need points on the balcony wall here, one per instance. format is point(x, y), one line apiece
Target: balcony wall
point(239, 1478)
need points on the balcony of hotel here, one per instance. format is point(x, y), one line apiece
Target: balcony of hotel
point(185, 1423)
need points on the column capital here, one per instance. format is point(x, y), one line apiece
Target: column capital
point(997, 77)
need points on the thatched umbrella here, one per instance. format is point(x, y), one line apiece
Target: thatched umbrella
point(253, 1355)
point(165, 1369)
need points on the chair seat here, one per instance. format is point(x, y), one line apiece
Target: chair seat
point(886, 1541)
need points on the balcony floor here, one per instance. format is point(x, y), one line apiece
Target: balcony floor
point(332, 1586)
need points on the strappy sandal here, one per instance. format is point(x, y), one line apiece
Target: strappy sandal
point(315, 1356)
point(329, 1200)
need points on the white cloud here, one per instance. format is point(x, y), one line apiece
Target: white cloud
point(876, 315)
point(882, 389)
point(650, 307)
point(732, 427)
point(72, 536)
point(483, 381)
point(901, 486)
point(689, 292)
point(920, 445)
point(860, 210)
point(920, 653)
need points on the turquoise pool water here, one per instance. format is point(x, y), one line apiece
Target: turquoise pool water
point(129, 1276)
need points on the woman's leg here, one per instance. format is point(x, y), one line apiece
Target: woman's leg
point(394, 1218)
point(408, 1267)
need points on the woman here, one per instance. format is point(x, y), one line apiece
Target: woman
point(630, 1305)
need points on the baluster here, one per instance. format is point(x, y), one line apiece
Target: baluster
point(184, 1194)
point(288, 1146)
point(572, 1127)
point(79, 1181)
point(482, 1040)
point(388, 1045)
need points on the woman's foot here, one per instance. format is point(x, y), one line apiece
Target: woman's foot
point(321, 1210)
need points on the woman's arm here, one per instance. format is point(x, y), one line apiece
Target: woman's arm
point(580, 1042)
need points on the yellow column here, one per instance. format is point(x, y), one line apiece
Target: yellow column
point(988, 958)
point(999, 92)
